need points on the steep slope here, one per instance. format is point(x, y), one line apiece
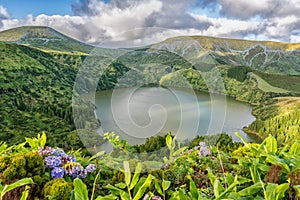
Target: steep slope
point(271, 57)
point(44, 38)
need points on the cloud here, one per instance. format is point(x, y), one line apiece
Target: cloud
point(140, 22)
point(244, 9)
point(3, 13)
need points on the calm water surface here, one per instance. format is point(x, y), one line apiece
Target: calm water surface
point(138, 113)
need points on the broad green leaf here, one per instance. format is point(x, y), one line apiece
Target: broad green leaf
point(254, 174)
point(165, 159)
point(281, 189)
point(43, 140)
point(295, 149)
point(121, 185)
point(138, 185)
point(229, 178)
point(158, 188)
point(270, 144)
point(270, 191)
point(297, 188)
point(179, 151)
point(229, 189)
point(117, 191)
point(251, 190)
point(136, 176)
point(169, 141)
point(193, 188)
point(80, 190)
point(182, 195)
point(127, 173)
point(243, 140)
point(7, 188)
point(1, 186)
point(216, 188)
point(25, 193)
point(273, 159)
point(108, 197)
point(100, 153)
point(166, 185)
point(211, 176)
point(139, 194)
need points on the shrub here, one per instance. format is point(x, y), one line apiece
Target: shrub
point(58, 189)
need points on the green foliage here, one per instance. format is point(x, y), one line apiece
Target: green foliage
point(35, 143)
point(280, 119)
point(7, 188)
point(80, 190)
point(58, 189)
point(239, 73)
point(133, 188)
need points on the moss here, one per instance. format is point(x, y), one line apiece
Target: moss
point(10, 172)
point(35, 163)
point(39, 182)
point(57, 189)
point(18, 160)
point(3, 162)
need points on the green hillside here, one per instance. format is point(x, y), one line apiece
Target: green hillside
point(271, 57)
point(44, 38)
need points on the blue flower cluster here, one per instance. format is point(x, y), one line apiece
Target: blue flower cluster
point(62, 164)
point(204, 151)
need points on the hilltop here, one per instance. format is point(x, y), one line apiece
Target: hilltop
point(44, 38)
point(265, 56)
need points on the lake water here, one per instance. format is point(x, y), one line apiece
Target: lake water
point(138, 113)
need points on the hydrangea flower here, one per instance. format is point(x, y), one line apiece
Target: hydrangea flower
point(58, 152)
point(67, 158)
point(57, 172)
point(57, 160)
point(191, 151)
point(52, 162)
point(45, 151)
point(90, 168)
point(75, 170)
point(204, 151)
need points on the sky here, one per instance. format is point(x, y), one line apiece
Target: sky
point(147, 21)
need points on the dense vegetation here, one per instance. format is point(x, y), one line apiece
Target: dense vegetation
point(222, 170)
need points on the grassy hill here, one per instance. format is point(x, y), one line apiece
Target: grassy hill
point(44, 38)
point(271, 57)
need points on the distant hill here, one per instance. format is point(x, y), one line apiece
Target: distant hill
point(265, 56)
point(44, 38)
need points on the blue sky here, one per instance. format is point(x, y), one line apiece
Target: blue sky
point(21, 8)
point(93, 21)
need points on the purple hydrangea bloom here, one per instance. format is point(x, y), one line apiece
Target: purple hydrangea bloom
point(52, 162)
point(57, 172)
point(90, 168)
point(204, 151)
point(191, 151)
point(58, 152)
point(82, 174)
point(45, 151)
point(67, 158)
point(75, 170)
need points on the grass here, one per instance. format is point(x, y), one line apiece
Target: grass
point(286, 82)
point(44, 38)
point(266, 87)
